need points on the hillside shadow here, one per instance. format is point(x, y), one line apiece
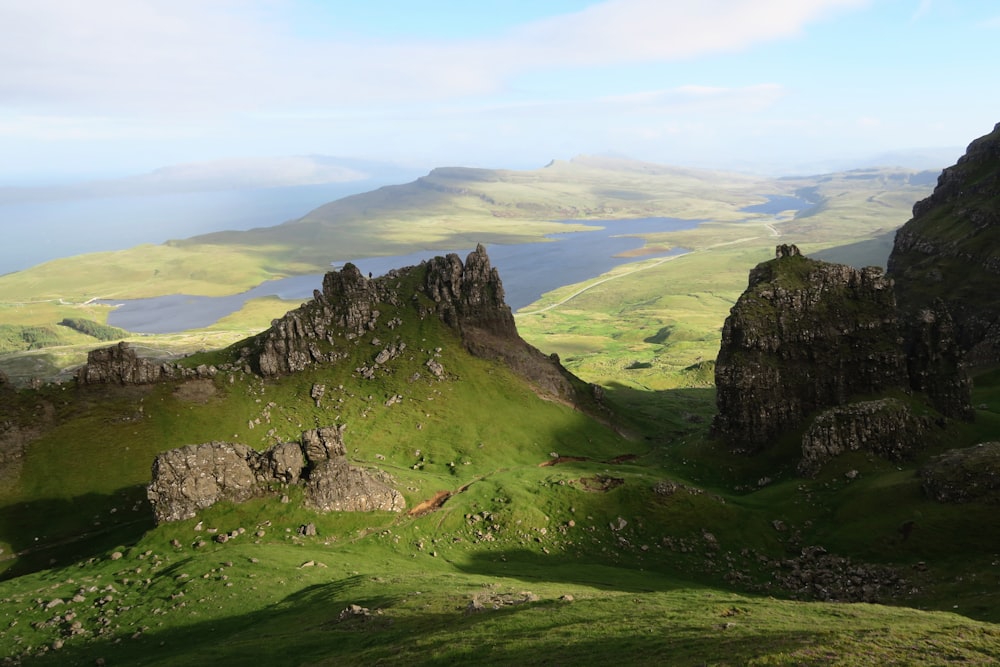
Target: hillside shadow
point(529, 566)
point(316, 626)
point(59, 531)
point(661, 415)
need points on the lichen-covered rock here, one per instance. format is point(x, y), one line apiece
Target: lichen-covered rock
point(805, 335)
point(885, 427)
point(335, 486)
point(119, 364)
point(324, 443)
point(196, 477)
point(193, 478)
point(950, 250)
point(964, 475)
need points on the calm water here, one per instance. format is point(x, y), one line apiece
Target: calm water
point(777, 204)
point(527, 270)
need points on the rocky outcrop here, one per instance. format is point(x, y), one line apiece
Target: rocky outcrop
point(950, 250)
point(964, 475)
point(193, 478)
point(804, 336)
point(468, 297)
point(119, 364)
point(886, 427)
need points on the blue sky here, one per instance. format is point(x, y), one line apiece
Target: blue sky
point(113, 87)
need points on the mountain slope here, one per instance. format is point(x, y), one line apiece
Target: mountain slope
point(950, 249)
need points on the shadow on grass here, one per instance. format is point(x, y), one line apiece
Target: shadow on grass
point(52, 532)
point(314, 626)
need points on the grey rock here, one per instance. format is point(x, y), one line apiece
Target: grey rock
point(885, 427)
point(119, 364)
point(192, 478)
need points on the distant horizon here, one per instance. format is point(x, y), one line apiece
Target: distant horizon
point(922, 158)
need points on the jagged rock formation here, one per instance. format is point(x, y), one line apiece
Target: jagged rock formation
point(119, 364)
point(811, 337)
point(950, 250)
point(195, 477)
point(467, 297)
point(886, 427)
point(964, 475)
point(804, 336)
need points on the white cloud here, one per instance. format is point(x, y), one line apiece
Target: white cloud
point(196, 57)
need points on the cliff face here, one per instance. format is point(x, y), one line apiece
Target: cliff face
point(804, 336)
point(468, 297)
point(950, 250)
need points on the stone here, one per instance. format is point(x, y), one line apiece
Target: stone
point(807, 336)
point(119, 364)
point(468, 297)
point(333, 485)
point(964, 475)
point(885, 427)
point(193, 478)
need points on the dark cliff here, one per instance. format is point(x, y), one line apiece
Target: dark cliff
point(950, 250)
point(805, 335)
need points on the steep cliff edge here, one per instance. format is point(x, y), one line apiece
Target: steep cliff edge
point(804, 336)
point(808, 340)
point(950, 250)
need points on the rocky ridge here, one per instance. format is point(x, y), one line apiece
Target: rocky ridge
point(949, 250)
point(195, 477)
point(468, 297)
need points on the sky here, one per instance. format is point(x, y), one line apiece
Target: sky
point(108, 88)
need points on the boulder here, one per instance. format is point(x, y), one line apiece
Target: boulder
point(964, 475)
point(119, 364)
point(193, 478)
point(884, 427)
